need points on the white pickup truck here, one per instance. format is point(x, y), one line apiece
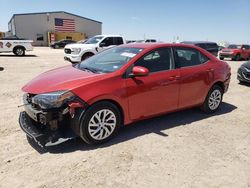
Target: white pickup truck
point(15, 45)
point(78, 52)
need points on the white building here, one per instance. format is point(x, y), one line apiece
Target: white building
point(37, 26)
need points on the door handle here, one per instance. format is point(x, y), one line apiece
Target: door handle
point(210, 70)
point(173, 78)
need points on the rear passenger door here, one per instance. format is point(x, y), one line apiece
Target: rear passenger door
point(196, 73)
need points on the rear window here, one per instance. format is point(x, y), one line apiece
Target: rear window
point(186, 57)
point(233, 46)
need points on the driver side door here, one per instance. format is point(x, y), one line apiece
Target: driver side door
point(159, 91)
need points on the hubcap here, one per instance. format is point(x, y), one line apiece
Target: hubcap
point(102, 124)
point(19, 52)
point(214, 99)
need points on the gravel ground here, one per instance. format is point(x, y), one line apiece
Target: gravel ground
point(183, 149)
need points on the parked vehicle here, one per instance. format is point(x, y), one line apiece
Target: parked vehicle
point(121, 85)
point(244, 72)
point(76, 53)
point(211, 47)
point(150, 40)
point(62, 43)
point(146, 41)
point(16, 45)
point(236, 52)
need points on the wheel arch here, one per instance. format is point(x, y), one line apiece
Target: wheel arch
point(18, 46)
point(118, 105)
point(220, 84)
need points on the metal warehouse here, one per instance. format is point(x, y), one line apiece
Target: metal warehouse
point(46, 27)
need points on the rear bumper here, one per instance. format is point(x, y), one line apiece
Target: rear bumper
point(226, 85)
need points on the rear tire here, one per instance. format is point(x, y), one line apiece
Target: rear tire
point(221, 58)
point(100, 123)
point(19, 51)
point(213, 99)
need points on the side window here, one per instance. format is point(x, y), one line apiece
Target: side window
point(157, 60)
point(118, 40)
point(108, 41)
point(203, 58)
point(245, 46)
point(186, 57)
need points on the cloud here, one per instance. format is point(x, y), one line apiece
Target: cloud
point(135, 18)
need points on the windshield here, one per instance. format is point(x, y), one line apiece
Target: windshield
point(82, 41)
point(109, 60)
point(233, 46)
point(94, 40)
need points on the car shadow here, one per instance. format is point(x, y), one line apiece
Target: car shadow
point(154, 125)
point(244, 84)
point(12, 55)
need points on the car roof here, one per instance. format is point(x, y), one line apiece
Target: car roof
point(156, 45)
point(107, 36)
point(198, 42)
point(152, 46)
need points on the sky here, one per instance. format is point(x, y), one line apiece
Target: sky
point(164, 20)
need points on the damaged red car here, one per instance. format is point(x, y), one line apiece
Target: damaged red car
point(128, 83)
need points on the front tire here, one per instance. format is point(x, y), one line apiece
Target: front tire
point(237, 57)
point(213, 99)
point(100, 123)
point(86, 56)
point(221, 58)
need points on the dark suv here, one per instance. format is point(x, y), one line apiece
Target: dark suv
point(211, 47)
point(61, 43)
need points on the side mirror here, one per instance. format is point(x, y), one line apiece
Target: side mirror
point(139, 71)
point(102, 44)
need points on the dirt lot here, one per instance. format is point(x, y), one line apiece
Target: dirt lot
point(183, 149)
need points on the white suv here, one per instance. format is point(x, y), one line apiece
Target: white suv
point(80, 51)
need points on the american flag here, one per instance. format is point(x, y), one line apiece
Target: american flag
point(64, 25)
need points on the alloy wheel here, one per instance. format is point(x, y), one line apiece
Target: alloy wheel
point(102, 124)
point(214, 99)
point(19, 51)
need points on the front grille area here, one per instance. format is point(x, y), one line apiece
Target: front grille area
point(67, 51)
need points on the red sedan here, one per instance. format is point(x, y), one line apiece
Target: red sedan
point(119, 86)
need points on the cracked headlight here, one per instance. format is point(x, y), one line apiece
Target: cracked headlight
point(75, 50)
point(53, 99)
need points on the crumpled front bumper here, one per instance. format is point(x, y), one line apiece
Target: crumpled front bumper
point(31, 130)
point(41, 136)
